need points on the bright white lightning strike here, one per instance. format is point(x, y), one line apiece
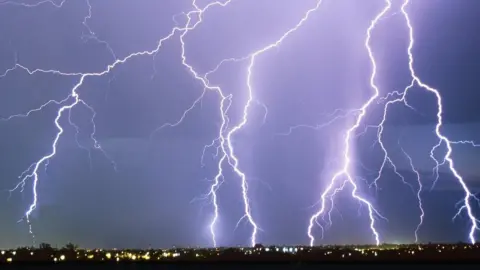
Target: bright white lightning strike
point(344, 172)
point(442, 138)
point(401, 97)
point(73, 98)
point(225, 137)
point(245, 113)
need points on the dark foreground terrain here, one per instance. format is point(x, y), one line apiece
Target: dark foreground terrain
point(294, 256)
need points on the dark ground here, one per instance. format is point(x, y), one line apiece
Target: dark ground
point(258, 257)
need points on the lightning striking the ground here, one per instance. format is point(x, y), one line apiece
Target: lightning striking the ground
point(226, 154)
point(225, 137)
point(400, 97)
point(442, 138)
point(73, 99)
point(345, 171)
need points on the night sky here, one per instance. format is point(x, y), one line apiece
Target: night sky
point(147, 189)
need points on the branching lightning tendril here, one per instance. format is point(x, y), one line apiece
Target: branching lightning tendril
point(73, 99)
point(442, 138)
point(344, 172)
point(400, 97)
point(419, 191)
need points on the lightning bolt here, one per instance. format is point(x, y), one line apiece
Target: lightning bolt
point(225, 136)
point(73, 99)
point(225, 102)
point(399, 97)
point(344, 172)
point(224, 140)
point(245, 113)
point(442, 138)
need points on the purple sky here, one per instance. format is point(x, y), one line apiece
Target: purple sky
point(153, 197)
